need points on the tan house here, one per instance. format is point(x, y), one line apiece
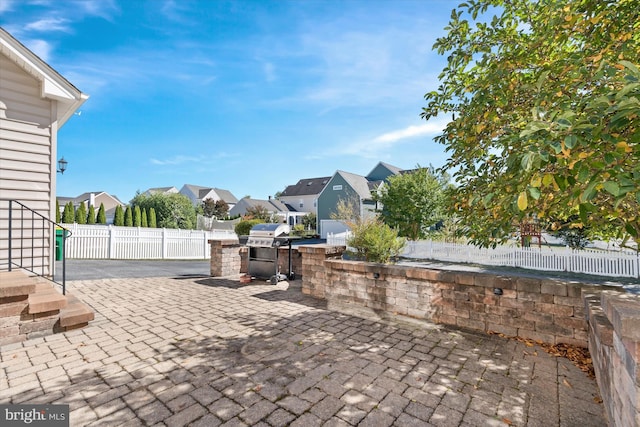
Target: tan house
point(94, 199)
point(35, 101)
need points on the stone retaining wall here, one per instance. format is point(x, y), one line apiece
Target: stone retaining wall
point(228, 258)
point(614, 344)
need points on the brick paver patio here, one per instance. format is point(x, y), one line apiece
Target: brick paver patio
point(209, 352)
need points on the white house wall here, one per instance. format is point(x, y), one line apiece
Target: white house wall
point(27, 138)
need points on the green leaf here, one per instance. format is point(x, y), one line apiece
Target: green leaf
point(557, 147)
point(589, 192)
point(535, 192)
point(610, 157)
point(631, 66)
point(570, 141)
point(563, 123)
point(611, 187)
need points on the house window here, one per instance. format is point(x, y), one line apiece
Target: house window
point(337, 187)
point(301, 203)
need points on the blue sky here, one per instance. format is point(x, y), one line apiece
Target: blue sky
point(248, 96)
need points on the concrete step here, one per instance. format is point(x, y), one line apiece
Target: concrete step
point(16, 283)
point(46, 298)
point(75, 314)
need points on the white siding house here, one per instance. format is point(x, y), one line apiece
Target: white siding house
point(35, 101)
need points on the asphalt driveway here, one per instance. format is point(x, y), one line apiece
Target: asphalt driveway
point(93, 269)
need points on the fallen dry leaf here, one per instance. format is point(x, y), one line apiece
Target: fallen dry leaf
point(579, 356)
point(507, 421)
point(567, 383)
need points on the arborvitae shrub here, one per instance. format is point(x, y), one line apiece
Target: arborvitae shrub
point(102, 216)
point(91, 215)
point(152, 218)
point(144, 222)
point(118, 219)
point(128, 217)
point(69, 214)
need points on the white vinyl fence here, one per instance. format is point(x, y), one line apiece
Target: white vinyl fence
point(587, 261)
point(110, 242)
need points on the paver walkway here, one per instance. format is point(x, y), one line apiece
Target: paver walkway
point(209, 352)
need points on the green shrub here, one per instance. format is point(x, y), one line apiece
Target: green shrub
point(102, 216)
point(91, 215)
point(243, 227)
point(81, 214)
point(374, 241)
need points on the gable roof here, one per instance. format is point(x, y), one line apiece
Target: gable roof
point(86, 196)
point(202, 192)
point(226, 195)
point(161, 190)
point(52, 84)
point(306, 187)
point(358, 182)
point(382, 171)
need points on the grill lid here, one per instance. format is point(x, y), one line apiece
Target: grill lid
point(267, 235)
point(269, 230)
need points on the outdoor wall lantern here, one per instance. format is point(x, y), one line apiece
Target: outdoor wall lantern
point(62, 165)
point(497, 291)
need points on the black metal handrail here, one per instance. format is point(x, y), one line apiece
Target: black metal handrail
point(31, 236)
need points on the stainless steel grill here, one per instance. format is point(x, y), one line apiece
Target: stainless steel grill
point(263, 242)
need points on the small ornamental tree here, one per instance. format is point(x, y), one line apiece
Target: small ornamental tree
point(413, 202)
point(375, 241)
point(102, 216)
point(91, 215)
point(309, 221)
point(243, 227)
point(57, 211)
point(152, 218)
point(257, 212)
point(128, 217)
point(137, 216)
point(118, 218)
point(68, 216)
point(143, 219)
point(81, 214)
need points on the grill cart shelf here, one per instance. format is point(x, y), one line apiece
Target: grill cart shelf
point(263, 242)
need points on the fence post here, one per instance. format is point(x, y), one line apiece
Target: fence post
point(111, 242)
point(205, 245)
point(164, 243)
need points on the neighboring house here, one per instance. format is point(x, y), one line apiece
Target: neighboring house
point(35, 101)
point(161, 190)
point(94, 199)
point(199, 194)
point(350, 187)
point(303, 196)
point(273, 206)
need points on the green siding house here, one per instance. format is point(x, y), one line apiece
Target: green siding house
point(348, 186)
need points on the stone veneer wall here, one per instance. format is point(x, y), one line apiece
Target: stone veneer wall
point(228, 258)
point(614, 344)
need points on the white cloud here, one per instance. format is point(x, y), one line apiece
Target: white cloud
point(390, 138)
point(49, 24)
point(177, 160)
point(6, 5)
point(40, 48)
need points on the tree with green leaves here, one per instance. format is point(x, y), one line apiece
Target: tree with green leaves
point(173, 210)
point(143, 220)
point(545, 106)
point(152, 218)
point(215, 208)
point(118, 217)
point(414, 201)
point(81, 214)
point(137, 216)
point(102, 215)
point(257, 212)
point(309, 221)
point(128, 217)
point(91, 215)
point(69, 213)
point(58, 211)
